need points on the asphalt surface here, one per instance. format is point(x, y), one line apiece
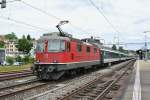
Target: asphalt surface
point(139, 85)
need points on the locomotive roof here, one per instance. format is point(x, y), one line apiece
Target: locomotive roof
point(114, 51)
point(54, 37)
point(63, 38)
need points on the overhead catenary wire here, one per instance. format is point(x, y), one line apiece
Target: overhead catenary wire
point(78, 28)
point(101, 12)
point(48, 14)
point(51, 15)
point(40, 10)
point(23, 23)
point(12, 1)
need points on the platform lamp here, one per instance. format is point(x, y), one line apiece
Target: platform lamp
point(3, 3)
point(145, 35)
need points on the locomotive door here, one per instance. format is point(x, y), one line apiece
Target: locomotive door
point(101, 56)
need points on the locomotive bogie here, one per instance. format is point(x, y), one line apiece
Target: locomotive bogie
point(56, 68)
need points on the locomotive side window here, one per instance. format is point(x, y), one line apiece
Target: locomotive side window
point(87, 49)
point(68, 46)
point(95, 50)
point(62, 45)
point(79, 47)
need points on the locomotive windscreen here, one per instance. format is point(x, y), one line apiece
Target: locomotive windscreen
point(40, 46)
point(56, 45)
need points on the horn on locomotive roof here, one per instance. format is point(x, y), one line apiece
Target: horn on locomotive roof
point(59, 28)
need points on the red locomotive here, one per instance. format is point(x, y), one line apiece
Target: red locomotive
point(59, 53)
point(56, 54)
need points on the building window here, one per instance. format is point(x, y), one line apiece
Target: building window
point(11, 49)
point(87, 49)
point(79, 47)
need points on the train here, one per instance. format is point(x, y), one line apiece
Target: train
point(59, 53)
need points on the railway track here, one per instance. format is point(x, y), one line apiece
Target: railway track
point(18, 84)
point(14, 74)
point(21, 88)
point(89, 86)
point(18, 88)
point(96, 90)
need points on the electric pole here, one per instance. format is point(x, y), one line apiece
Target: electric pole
point(3, 3)
point(146, 56)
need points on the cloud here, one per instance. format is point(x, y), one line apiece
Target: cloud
point(129, 17)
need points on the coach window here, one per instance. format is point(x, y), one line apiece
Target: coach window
point(68, 46)
point(88, 49)
point(79, 47)
point(95, 50)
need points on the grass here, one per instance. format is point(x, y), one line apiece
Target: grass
point(14, 68)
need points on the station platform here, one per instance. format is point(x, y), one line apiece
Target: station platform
point(139, 85)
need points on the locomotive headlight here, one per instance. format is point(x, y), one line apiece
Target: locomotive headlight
point(37, 61)
point(55, 61)
point(40, 68)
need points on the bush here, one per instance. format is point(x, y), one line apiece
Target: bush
point(10, 60)
point(31, 60)
point(26, 59)
point(18, 59)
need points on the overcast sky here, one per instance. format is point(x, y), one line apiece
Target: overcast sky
point(129, 17)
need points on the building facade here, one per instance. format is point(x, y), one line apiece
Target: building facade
point(2, 55)
point(11, 49)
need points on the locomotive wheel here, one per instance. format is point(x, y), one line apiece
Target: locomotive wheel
point(57, 75)
point(51, 76)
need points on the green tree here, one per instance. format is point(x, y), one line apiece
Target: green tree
point(10, 60)
point(18, 59)
point(114, 47)
point(29, 37)
point(11, 36)
point(2, 44)
point(31, 60)
point(24, 45)
point(121, 49)
point(26, 59)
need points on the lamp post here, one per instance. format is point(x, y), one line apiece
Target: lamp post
point(145, 35)
point(3, 3)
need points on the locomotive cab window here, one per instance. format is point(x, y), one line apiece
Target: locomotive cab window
point(79, 47)
point(40, 46)
point(56, 45)
point(88, 49)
